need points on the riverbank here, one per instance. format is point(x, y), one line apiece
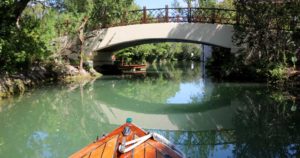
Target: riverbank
point(225, 66)
point(18, 83)
point(286, 78)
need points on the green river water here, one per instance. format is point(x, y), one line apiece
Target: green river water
point(203, 118)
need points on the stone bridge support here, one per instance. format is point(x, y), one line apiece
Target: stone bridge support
point(103, 58)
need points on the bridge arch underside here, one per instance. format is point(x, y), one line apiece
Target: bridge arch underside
point(104, 55)
point(123, 45)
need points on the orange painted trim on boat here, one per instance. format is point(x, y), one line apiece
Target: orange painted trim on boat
point(107, 146)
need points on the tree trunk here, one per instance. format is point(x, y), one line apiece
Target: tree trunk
point(82, 39)
point(11, 13)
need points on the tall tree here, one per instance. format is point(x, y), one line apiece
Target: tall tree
point(10, 12)
point(82, 40)
point(81, 9)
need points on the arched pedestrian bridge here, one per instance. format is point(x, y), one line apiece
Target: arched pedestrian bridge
point(123, 36)
point(209, 26)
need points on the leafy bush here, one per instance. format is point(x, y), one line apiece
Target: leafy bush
point(278, 73)
point(21, 49)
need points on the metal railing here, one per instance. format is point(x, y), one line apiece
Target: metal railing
point(179, 15)
point(187, 15)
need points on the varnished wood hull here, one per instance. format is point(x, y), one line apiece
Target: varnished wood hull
point(107, 147)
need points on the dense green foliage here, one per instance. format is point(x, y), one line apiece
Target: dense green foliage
point(267, 33)
point(26, 40)
point(160, 51)
point(226, 4)
point(206, 3)
point(267, 30)
point(109, 12)
point(29, 27)
point(20, 42)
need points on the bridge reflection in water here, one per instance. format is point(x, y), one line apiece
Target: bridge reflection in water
point(235, 120)
point(215, 119)
point(196, 134)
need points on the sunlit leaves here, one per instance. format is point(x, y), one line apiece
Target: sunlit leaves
point(108, 12)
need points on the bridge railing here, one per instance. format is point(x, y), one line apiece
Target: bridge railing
point(190, 15)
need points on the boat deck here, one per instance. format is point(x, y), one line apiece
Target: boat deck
point(108, 146)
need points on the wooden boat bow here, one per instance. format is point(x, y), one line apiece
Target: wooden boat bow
point(109, 145)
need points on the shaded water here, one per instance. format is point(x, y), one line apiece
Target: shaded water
point(205, 119)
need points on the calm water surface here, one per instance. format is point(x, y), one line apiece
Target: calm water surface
point(203, 118)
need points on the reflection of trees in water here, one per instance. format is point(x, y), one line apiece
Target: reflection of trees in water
point(57, 112)
point(191, 71)
point(150, 90)
point(166, 71)
point(222, 95)
point(198, 144)
point(181, 71)
point(267, 129)
point(162, 82)
point(265, 126)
